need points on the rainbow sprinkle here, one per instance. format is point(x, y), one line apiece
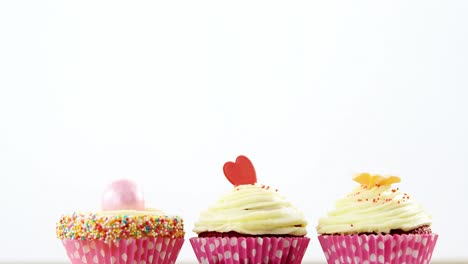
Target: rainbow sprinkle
point(115, 227)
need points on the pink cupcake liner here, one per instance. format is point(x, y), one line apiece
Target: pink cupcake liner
point(144, 250)
point(387, 249)
point(278, 250)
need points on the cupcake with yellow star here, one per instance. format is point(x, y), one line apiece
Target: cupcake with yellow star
point(124, 231)
point(377, 223)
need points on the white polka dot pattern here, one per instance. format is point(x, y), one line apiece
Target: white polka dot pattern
point(125, 251)
point(251, 250)
point(376, 249)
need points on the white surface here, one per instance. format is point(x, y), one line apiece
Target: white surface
point(166, 93)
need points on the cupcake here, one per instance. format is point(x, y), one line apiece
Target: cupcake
point(377, 223)
point(252, 223)
point(123, 232)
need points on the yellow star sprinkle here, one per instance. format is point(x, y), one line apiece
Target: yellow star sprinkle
point(370, 181)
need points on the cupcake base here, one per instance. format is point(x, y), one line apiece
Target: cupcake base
point(393, 249)
point(144, 250)
point(279, 250)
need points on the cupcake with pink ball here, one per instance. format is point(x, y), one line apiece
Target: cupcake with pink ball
point(377, 223)
point(251, 223)
point(124, 231)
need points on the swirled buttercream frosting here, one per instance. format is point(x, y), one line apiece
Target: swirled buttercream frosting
point(375, 207)
point(252, 209)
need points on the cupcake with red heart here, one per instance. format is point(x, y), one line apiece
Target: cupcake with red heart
point(125, 231)
point(252, 223)
point(377, 223)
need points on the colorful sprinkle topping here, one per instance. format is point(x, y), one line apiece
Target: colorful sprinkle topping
point(370, 181)
point(115, 227)
point(262, 186)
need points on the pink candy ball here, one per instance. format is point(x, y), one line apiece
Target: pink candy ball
point(122, 195)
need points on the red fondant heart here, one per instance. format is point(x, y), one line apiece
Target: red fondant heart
point(240, 172)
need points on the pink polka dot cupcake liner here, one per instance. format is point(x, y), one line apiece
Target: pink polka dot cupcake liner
point(249, 250)
point(385, 249)
point(131, 251)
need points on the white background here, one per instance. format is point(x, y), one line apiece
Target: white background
point(166, 93)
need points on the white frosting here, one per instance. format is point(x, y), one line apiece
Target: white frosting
point(147, 211)
point(376, 210)
point(254, 210)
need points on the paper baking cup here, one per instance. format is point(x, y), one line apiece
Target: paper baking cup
point(249, 249)
point(143, 250)
point(412, 248)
